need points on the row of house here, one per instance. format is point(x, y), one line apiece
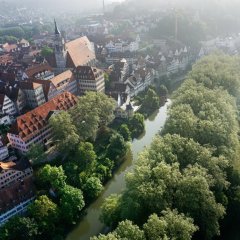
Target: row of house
point(119, 45)
point(30, 94)
point(16, 96)
point(17, 190)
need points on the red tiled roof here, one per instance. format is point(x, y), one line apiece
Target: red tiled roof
point(16, 193)
point(32, 122)
point(6, 59)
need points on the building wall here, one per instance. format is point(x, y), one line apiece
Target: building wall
point(35, 97)
point(21, 101)
point(70, 87)
point(8, 177)
point(5, 120)
point(40, 137)
point(97, 85)
point(8, 107)
point(19, 209)
point(3, 153)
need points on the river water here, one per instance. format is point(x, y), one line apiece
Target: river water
point(90, 224)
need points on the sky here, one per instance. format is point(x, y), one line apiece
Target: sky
point(63, 4)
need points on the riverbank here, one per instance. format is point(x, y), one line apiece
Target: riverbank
point(90, 224)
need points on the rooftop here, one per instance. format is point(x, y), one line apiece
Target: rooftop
point(32, 122)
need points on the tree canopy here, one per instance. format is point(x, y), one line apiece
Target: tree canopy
point(193, 167)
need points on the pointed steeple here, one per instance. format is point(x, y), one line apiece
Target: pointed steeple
point(56, 27)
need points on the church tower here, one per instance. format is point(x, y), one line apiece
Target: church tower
point(60, 49)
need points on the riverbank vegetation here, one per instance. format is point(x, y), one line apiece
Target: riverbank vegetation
point(151, 99)
point(192, 171)
point(89, 151)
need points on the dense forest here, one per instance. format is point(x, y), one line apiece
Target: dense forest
point(186, 185)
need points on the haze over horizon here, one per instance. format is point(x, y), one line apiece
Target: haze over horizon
point(62, 4)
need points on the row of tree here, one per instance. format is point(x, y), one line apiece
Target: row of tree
point(192, 168)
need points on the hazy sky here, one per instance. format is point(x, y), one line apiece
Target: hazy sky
point(63, 4)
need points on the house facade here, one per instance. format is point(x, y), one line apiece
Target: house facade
point(90, 79)
point(34, 93)
point(16, 198)
point(11, 172)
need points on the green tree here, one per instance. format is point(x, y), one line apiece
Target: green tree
point(64, 132)
point(17, 32)
point(175, 149)
point(93, 111)
point(198, 112)
point(110, 210)
point(162, 90)
point(46, 51)
point(20, 228)
point(151, 101)
point(195, 198)
point(218, 70)
point(117, 147)
point(110, 236)
point(124, 131)
point(127, 230)
point(36, 153)
point(92, 188)
point(45, 212)
point(171, 225)
point(52, 177)
point(104, 168)
point(136, 124)
point(85, 157)
point(72, 170)
point(71, 203)
point(8, 39)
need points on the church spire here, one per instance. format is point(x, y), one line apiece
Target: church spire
point(56, 27)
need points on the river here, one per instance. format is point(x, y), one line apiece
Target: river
point(90, 224)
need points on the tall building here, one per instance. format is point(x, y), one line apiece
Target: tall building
point(59, 49)
point(90, 79)
point(69, 55)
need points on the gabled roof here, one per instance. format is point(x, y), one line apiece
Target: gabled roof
point(89, 73)
point(62, 77)
point(11, 90)
point(38, 68)
point(32, 122)
point(29, 85)
point(79, 52)
point(24, 41)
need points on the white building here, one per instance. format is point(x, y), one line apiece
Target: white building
point(7, 106)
